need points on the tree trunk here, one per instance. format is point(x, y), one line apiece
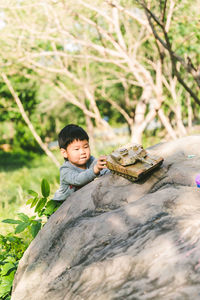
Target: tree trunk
point(189, 112)
point(90, 131)
point(137, 128)
point(167, 124)
point(140, 122)
point(180, 127)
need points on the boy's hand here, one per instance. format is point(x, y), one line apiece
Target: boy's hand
point(100, 165)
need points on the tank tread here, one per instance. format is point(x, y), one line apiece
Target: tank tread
point(131, 178)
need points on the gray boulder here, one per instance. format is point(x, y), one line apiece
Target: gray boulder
point(114, 239)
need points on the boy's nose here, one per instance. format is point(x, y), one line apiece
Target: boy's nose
point(82, 150)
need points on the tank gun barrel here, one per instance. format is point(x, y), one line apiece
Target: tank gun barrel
point(145, 161)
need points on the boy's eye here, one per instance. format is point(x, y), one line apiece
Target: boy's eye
point(86, 146)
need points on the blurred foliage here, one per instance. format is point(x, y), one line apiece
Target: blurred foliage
point(12, 247)
point(19, 173)
point(21, 137)
point(44, 59)
point(15, 159)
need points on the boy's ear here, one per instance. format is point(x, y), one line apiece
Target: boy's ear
point(63, 152)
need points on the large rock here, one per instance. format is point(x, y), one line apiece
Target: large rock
point(114, 239)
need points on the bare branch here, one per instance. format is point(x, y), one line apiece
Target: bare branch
point(27, 121)
point(173, 56)
point(169, 17)
point(117, 28)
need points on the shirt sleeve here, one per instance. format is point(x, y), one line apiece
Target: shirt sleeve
point(104, 172)
point(76, 178)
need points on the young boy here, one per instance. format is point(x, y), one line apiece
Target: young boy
point(79, 167)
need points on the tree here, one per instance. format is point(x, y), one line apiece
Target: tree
point(28, 122)
point(160, 29)
point(107, 51)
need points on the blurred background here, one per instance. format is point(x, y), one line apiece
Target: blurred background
point(126, 71)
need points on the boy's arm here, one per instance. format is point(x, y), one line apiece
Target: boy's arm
point(73, 177)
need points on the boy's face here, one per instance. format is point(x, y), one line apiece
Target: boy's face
point(78, 153)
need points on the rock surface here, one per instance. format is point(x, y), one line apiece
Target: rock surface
point(114, 239)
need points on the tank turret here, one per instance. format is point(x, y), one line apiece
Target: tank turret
point(132, 161)
point(130, 154)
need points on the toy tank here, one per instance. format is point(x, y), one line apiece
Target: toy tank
point(132, 162)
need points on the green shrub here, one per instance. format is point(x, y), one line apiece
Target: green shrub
point(12, 247)
point(11, 251)
point(43, 206)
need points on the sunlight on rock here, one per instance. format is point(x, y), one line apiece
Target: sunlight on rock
point(111, 272)
point(114, 239)
point(116, 223)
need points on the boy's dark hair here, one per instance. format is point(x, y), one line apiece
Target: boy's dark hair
point(71, 133)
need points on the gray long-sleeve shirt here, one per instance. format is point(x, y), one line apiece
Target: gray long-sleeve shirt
point(72, 178)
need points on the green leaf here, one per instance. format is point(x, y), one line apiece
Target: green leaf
point(21, 227)
point(10, 259)
point(32, 218)
point(45, 188)
point(5, 286)
point(23, 217)
point(51, 207)
point(11, 221)
point(29, 201)
point(35, 200)
point(10, 271)
point(35, 228)
point(32, 193)
point(41, 204)
point(6, 283)
point(6, 268)
point(36, 221)
point(41, 212)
